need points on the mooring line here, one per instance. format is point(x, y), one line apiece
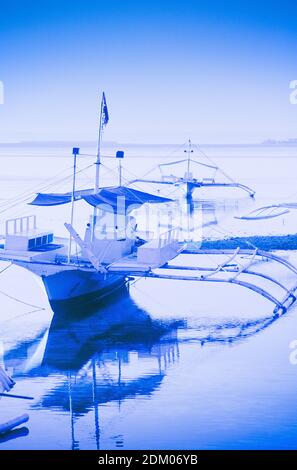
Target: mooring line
point(21, 301)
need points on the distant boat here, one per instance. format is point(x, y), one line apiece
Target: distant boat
point(269, 212)
point(189, 181)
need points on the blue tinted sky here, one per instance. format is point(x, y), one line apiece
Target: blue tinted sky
point(217, 71)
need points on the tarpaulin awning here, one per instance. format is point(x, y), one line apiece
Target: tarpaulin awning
point(56, 199)
point(116, 199)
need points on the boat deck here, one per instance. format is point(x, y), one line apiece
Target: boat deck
point(30, 255)
point(131, 265)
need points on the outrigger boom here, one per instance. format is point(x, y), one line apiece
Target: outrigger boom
point(207, 274)
point(153, 259)
point(194, 184)
point(150, 257)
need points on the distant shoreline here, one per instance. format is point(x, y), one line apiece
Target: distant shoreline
point(263, 242)
point(64, 143)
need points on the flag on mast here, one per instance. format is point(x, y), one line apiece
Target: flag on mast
point(104, 112)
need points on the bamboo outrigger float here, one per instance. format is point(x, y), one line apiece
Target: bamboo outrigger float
point(6, 384)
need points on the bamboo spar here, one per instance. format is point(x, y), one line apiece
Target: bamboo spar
point(97, 163)
point(6, 382)
point(13, 423)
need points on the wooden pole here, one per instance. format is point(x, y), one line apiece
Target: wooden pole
point(13, 423)
point(75, 152)
point(97, 163)
point(11, 395)
point(6, 383)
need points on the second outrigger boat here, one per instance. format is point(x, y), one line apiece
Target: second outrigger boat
point(188, 181)
point(105, 261)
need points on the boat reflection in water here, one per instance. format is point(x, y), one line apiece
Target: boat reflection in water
point(109, 355)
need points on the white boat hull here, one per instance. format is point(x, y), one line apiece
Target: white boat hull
point(71, 288)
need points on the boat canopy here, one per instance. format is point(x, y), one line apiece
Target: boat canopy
point(56, 199)
point(111, 197)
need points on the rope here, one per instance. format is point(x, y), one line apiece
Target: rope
point(21, 315)
point(128, 181)
point(35, 307)
point(21, 301)
point(6, 267)
point(15, 298)
point(32, 190)
point(213, 163)
point(27, 195)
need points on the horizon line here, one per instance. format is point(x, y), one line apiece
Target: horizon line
point(266, 142)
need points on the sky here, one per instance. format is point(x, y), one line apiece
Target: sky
point(215, 71)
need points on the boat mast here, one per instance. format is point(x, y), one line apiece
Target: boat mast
point(188, 177)
point(98, 162)
point(189, 151)
point(95, 404)
point(74, 442)
point(75, 152)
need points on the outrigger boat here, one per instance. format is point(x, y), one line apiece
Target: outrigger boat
point(103, 262)
point(74, 279)
point(188, 181)
point(269, 212)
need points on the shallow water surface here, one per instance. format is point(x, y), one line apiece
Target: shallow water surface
point(163, 364)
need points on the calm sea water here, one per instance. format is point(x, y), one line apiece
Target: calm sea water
point(165, 364)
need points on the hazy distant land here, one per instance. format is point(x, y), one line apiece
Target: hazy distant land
point(87, 143)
